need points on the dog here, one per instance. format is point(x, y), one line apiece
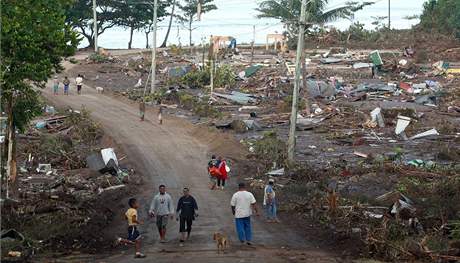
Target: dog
point(100, 90)
point(222, 242)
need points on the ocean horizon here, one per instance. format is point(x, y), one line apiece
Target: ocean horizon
point(237, 18)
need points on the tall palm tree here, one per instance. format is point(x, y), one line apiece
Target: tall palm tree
point(288, 12)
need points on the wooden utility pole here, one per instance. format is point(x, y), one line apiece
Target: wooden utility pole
point(154, 46)
point(295, 92)
point(389, 18)
point(253, 42)
point(211, 58)
point(95, 26)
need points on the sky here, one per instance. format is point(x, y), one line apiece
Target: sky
point(238, 17)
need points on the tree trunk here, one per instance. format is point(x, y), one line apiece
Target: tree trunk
point(147, 39)
point(131, 37)
point(170, 24)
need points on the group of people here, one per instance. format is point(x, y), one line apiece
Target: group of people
point(66, 84)
point(142, 111)
point(243, 206)
point(218, 172)
point(162, 209)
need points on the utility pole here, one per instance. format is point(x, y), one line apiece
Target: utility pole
point(95, 26)
point(389, 18)
point(154, 46)
point(295, 92)
point(253, 42)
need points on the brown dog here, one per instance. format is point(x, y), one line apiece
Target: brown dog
point(222, 242)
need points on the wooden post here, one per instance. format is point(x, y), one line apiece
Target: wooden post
point(295, 93)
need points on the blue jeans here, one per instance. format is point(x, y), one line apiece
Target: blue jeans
point(243, 228)
point(270, 210)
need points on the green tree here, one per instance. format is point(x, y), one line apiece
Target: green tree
point(80, 17)
point(137, 15)
point(34, 37)
point(288, 12)
point(442, 16)
point(189, 10)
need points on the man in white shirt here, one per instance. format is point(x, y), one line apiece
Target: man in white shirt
point(243, 204)
point(162, 208)
point(79, 82)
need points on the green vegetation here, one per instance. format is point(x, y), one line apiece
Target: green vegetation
point(441, 16)
point(190, 12)
point(30, 52)
point(196, 78)
point(199, 106)
point(288, 12)
point(200, 79)
point(98, 58)
point(271, 149)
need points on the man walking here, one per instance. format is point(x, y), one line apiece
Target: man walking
point(243, 204)
point(66, 83)
point(270, 202)
point(162, 208)
point(79, 82)
point(186, 213)
point(55, 85)
point(142, 109)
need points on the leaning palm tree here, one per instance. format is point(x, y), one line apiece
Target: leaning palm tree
point(288, 12)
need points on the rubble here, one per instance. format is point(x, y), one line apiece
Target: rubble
point(53, 185)
point(365, 119)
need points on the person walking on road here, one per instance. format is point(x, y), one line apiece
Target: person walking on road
point(66, 83)
point(243, 205)
point(142, 109)
point(223, 174)
point(79, 82)
point(186, 212)
point(55, 85)
point(162, 208)
point(270, 202)
point(213, 171)
point(134, 237)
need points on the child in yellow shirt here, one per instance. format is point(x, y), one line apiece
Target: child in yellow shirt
point(134, 237)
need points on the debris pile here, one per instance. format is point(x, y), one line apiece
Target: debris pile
point(58, 200)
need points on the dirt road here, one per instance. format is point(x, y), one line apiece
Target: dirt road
point(176, 154)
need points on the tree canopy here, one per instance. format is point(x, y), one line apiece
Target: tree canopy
point(442, 16)
point(288, 11)
point(189, 11)
point(136, 15)
point(34, 39)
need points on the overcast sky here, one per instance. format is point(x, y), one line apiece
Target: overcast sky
point(237, 17)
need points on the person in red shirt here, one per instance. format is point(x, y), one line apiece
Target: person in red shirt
point(222, 177)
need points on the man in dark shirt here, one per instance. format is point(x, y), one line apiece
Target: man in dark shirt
point(186, 210)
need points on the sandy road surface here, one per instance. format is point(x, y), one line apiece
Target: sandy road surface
point(170, 154)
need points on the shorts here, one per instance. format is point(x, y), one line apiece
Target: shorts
point(55, 88)
point(162, 221)
point(133, 233)
point(66, 88)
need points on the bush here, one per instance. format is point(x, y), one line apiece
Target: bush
point(196, 78)
point(98, 58)
point(271, 149)
point(223, 77)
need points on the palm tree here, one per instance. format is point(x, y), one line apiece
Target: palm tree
point(288, 12)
